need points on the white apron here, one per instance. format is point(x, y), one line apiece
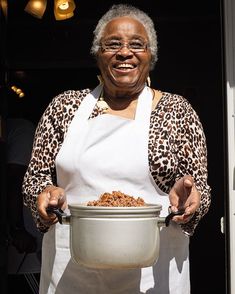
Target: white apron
point(100, 155)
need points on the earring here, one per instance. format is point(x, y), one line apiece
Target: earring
point(102, 104)
point(148, 81)
point(99, 77)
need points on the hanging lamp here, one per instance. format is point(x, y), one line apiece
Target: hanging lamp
point(36, 8)
point(63, 9)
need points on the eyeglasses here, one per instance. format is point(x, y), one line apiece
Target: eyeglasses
point(133, 46)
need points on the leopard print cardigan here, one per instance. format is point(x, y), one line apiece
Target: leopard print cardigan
point(177, 146)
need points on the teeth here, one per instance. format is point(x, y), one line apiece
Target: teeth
point(125, 65)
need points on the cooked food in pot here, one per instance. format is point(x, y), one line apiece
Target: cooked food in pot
point(117, 199)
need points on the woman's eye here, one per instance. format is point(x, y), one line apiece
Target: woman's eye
point(113, 45)
point(136, 45)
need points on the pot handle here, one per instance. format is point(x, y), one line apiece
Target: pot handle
point(172, 214)
point(63, 218)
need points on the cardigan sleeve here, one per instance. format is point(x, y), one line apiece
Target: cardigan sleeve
point(177, 147)
point(49, 137)
point(192, 157)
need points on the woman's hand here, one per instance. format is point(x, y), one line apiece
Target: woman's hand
point(50, 196)
point(184, 196)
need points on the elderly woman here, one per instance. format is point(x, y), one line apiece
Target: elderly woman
point(123, 135)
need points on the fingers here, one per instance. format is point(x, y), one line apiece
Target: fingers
point(55, 195)
point(188, 181)
point(193, 201)
point(192, 207)
point(180, 192)
point(50, 196)
point(42, 204)
point(189, 211)
point(184, 195)
point(182, 219)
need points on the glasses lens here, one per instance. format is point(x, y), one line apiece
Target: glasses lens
point(112, 46)
point(115, 46)
point(136, 46)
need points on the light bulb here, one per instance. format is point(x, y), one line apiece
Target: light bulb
point(64, 6)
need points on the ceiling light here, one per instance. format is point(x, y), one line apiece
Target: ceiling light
point(64, 6)
point(4, 6)
point(36, 7)
point(63, 9)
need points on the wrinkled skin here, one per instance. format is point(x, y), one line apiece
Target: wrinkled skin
point(120, 82)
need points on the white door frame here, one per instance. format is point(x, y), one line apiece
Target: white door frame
point(229, 35)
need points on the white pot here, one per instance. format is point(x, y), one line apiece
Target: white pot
point(114, 237)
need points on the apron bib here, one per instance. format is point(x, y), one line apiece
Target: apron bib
point(104, 154)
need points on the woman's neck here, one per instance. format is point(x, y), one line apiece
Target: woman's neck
point(120, 99)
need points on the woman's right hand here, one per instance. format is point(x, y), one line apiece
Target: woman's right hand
point(50, 196)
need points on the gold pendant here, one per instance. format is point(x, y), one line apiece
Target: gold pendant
point(103, 106)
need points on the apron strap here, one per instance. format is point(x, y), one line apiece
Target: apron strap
point(89, 102)
point(84, 110)
point(144, 107)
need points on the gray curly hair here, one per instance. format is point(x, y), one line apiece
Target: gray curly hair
point(121, 10)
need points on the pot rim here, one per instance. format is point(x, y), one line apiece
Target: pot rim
point(82, 210)
point(86, 207)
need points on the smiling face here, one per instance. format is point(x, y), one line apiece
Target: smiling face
point(124, 71)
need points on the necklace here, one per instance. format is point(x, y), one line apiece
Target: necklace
point(102, 105)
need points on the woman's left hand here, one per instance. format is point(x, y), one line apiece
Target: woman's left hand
point(184, 196)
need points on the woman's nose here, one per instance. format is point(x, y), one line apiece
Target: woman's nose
point(124, 50)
